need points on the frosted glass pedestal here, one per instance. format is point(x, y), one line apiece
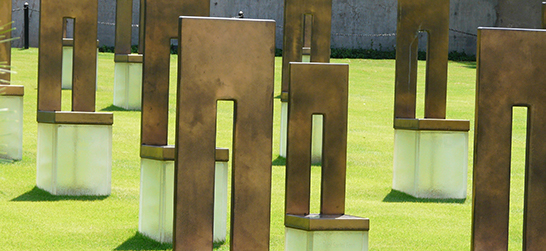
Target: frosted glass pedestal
point(284, 129)
point(67, 63)
point(128, 81)
point(157, 198)
point(347, 233)
point(11, 122)
point(74, 159)
point(316, 143)
point(431, 163)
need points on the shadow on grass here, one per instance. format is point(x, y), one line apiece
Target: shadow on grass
point(397, 196)
point(471, 65)
point(142, 242)
point(279, 161)
point(113, 108)
point(37, 194)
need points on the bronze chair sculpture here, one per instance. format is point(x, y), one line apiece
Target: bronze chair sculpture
point(307, 33)
point(502, 83)
point(11, 96)
point(157, 156)
point(74, 147)
point(224, 59)
point(128, 65)
point(431, 154)
point(307, 97)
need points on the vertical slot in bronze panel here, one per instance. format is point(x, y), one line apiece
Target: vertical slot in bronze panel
point(50, 55)
point(224, 59)
point(307, 97)
point(414, 16)
point(5, 48)
point(161, 25)
point(295, 12)
point(511, 73)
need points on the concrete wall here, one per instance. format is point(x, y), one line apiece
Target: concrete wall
point(355, 23)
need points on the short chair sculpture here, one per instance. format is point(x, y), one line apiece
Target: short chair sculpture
point(307, 97)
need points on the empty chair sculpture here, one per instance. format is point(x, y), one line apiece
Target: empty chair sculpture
point(504, 82)
point(224, 59)
point(430, 154)
point(74, 154)
point(11, 96)
point(331, 229)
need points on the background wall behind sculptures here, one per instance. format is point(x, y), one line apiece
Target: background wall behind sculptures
point(355, 23)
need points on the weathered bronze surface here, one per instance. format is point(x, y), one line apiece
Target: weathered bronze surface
point(224, 59)
point(129, 58)
point(511, 72)
point(60, 117)
point(5, 48)
point(297, 15)
point(318, 222)
point(307, 97)
point(431, 16)
point(70, 42)
point(124, 22)
point(432, 124)
point(50, 55)
point(167, 153)
point(12, 90)
point(160, 27)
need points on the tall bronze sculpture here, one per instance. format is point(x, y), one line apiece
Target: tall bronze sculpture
point(128, 65)
point(11, 96)
point(160, 25)
point(431, 154)
point(224, 59)
point(307, 34)
point(502, 83)
point(307, 97)
point(74, 147)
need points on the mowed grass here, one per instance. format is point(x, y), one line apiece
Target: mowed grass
point(31, 219)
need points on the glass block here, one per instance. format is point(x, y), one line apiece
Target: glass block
point(431, 164)
point(157, 197)
point(128, 85)
point(74, 159)
point(302, 240)
point(11, 127)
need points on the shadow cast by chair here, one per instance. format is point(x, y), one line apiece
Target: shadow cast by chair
point(37, 194)
point(397, 196)
point(142, 242)
point(113, 108)
point(279, 161)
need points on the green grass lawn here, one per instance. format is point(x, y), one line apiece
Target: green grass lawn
point(31, 219)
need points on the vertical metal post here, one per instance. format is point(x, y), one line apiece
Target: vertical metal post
point(25, 8)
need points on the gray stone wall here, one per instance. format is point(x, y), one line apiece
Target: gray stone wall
point(355, 23)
